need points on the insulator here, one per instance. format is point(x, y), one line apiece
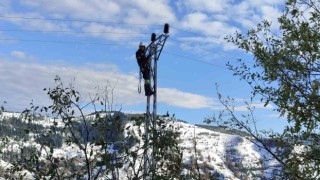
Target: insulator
point(166, 28)
point(153, 37)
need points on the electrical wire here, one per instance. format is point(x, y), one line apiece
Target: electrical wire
point(206, 50)
point(82, 32)
point(189, 32)
point(106, 22)
point(102, 32)
point(76, 20)
point(215, 39)
point(214, 52)
point(64, 42)
point(109, 44)
point(197, 34)
point(105, 44)
point(193, 59)
point(76, 32)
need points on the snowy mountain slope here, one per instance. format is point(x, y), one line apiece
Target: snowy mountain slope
point(223, 155)
point(9, 115)
point(231, 156)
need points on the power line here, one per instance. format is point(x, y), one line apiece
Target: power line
point(179, 41)
point(76, 20)
point(202, 36)
point(77, 32)
point(105, 22)
point(213, 52)
point(193, 59)
point(108, 44)
point(64, 42)
point(197, 34)
point(189, 32)
point(83, 32)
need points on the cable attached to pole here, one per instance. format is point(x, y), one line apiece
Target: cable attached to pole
point(139, 86)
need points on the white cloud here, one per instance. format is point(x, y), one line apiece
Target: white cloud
point(211, 19)
point(202, 23)
point(20, 55)
point(205, 5)
point(93, 16)
point(271, 14)
point(253, 105)
point(258, 4)
point(209, 41)
point(36, 24)
point(139, 11)
point(277, 116)
point(99, 10)
point(226, 15)
point(5, 5)
point(22, 82)
point(102, 67)
point(148, 11)
point(116, 34)
point(249, 13)
point(209, 33)
point(178, 98)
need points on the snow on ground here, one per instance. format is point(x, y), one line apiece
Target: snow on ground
point(9, 115)
point(210, 147)
point(215, 151)
point(5, 165)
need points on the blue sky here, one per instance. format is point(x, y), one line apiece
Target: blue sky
point(94, 42)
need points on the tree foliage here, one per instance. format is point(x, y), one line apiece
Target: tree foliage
point(286, 73)
point(106, 141)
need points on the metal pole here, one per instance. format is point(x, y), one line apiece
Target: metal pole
point(155, 87)
point(153, 49)
point(146, 128)
point(147, 125)
point(154, 118)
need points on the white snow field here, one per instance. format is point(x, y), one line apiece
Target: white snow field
point(226, 155)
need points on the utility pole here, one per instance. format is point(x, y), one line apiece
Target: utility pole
point(154, 49)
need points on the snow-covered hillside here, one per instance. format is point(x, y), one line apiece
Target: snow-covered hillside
point(223, 155)
point(9, 115)
point(231, 156)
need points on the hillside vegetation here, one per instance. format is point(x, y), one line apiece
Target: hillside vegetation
point(212, 154)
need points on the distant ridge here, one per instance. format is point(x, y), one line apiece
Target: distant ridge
point(9, 114)
point(224, 129)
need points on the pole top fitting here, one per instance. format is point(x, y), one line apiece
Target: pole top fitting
point(153, 37)
point(166, 28)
